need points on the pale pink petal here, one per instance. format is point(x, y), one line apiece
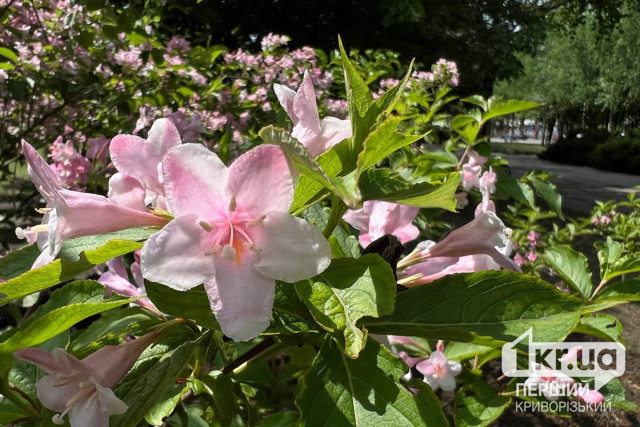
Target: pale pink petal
point(359, 218)
point(332, 132)
point(118, 284)
point(176, 256)
point(163, 136)
point(426, 367)
point(112, 362)
point(572, 355)
point(241, 298)
point(43, 359)
point(389, 218)
point(137, 157)
point(194, 179)
point(261, 181)
point(454, 367)
point(588, 395)
point(286, 97)
point(434, 268)
point(88, 413)
point(447, 383)
point(127, 191)
point(41, 174)
point(410, 361)
point(306, 111)
point(291, 249)
point(55, 396)
point(85, 214)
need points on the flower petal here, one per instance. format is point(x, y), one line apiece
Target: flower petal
point(391, 218)
point(306, 111)
point(332, 131)
point(41, 174)
point(127, 191)
point(291, 248)
point(241, 298)
point(261, 181)
point(194, 179)
point(175, 256)
point(53, 395)
point(286, 97)
point(88, 412)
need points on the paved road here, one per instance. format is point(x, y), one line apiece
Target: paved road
point(580, 186)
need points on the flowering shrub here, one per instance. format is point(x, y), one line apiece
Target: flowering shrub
point(241, 268)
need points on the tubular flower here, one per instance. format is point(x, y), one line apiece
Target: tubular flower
point(82, 388)
point(70, 214)
point(302, 108)
point(472, 170)
point(376, 219)
point(438, 371)
point(486, 234)
point(232, 231)
point(142, 158)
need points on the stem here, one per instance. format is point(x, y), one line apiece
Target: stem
point(464, 156)
point(338, 208)
point(598, 289)
point(26, 397)
point(475, 362)
point(251, 354)
point(11, 392)
point(258, 358)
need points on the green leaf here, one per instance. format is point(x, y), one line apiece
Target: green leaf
point(9, 412)
point(601, 325)
point(17, 262)
point(508, 187)
point(614, 392)
point(290, 315)
point(165, 406)
point(67, 306)
point(192, 304)
point(487, 308)
point(386, 102)
point(358, 95)
point(347, 291)
point(339, 391)
point(383, 141)
point(478, 404)
point(463, 350)
point(72, 248)
point(547, 192)
point(507, 107)
point(571, 266)
point(627, 290)
point(149, 388)
point(61, 270)
point(222, 388)
point(379, 185)
point(281, 419)
point(347, 244)
point(299, 155)
point(9, 54)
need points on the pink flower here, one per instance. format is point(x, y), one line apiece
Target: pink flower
point(557, 383)
point(71, 214)
point(532, 256)
point(595, 220)
point(588, 395)
point(117, 280)
point(301, 107)
point(376, 219)
point(485, 234)
point(462, 200)
point(572, 355)
point(605, 220)
point(519, 260)
point(232, 231)
point(489, 179)
point(532, 237)
point(142, 158)
point(472, 170)
point(438, 371)
point(82, 388)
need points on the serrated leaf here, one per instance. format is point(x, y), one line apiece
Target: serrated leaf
point(487, 308)
point(339, 391)
point(381, 142)
point(348, 244)
point(347, 291)
point(166, 405)
point(627, 290)
point(61, 270)
point(290, 315)
point(379, 185)
point(149, 388)
point(192, 304)
point(72, 248)
point(549, 193)
point(571, 266)
point(67, 306)
point(507, 107)
point(478, 404)
point(601, 325)
point(614, 392)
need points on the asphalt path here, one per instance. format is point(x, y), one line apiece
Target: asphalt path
point(580, 186)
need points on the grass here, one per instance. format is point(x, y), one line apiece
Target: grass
point(516, 148)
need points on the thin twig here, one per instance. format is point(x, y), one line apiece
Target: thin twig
point(265, 344)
